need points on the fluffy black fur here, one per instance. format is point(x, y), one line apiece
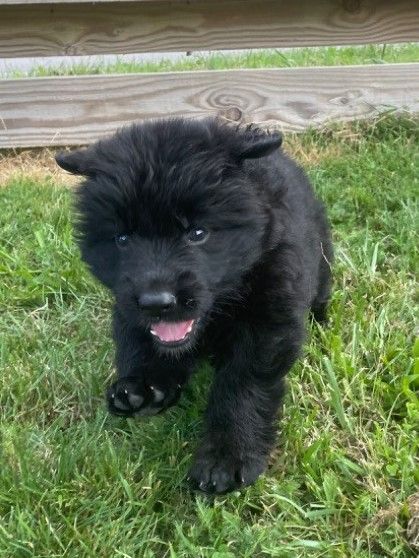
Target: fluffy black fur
point(223, 230)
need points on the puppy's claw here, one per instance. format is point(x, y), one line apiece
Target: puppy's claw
point(131, 397)
point(135, 400)
point(158, 395)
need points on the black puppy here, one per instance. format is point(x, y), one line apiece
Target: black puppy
point(213, 244)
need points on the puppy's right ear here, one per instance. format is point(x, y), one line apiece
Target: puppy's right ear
point(76, 162)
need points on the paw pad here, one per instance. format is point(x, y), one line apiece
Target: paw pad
point(128, 397)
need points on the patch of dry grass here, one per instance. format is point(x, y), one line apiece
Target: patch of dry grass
point(39, 164)
point(36, 164)
point(412, 531)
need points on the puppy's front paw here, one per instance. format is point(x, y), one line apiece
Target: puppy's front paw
point(129, 397)
point(218, 470)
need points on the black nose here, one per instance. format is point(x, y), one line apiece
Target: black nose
point(157, 302)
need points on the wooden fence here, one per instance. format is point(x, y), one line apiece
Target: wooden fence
point(79, 109)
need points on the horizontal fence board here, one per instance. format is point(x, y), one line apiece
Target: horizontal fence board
point(27, 2)
point(127, 27)
point(78, 110)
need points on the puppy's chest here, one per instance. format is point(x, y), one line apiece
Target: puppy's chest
point(230, 323)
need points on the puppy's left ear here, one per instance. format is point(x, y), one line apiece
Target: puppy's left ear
point(76, 162)
point(260, 146)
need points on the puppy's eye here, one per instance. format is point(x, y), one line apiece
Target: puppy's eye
point(121, 239)
point(197, 236)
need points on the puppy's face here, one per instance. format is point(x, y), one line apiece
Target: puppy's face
point(170, 221)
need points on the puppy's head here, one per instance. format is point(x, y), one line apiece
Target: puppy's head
point(171, 217)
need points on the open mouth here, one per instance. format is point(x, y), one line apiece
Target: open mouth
point(172, 333)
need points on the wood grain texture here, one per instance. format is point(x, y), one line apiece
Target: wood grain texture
point(28, 2)
point(124, 27)
point(78, 110)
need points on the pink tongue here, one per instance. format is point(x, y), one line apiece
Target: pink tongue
point(171, 331)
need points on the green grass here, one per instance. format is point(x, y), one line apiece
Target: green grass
point(278, 58)
point(76, 482)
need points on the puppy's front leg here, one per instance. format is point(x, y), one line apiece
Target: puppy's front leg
point(148, 382)
point(243, 405)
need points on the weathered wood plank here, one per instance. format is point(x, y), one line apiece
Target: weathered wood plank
point(28, 2)
point(123, 27)
point(78, 110)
